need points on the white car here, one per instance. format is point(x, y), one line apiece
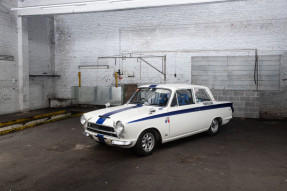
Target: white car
point(158, 114)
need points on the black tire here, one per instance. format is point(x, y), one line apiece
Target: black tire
point(214, 127)
point(146, 143)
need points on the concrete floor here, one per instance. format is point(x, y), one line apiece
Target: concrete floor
point(245, 155)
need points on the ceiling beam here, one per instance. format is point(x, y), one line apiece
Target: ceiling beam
point(103, 5)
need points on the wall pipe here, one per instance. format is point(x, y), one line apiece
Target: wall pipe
point(142, 59)
point(79, 75)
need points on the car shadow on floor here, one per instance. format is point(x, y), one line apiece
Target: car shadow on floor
point(127, 153)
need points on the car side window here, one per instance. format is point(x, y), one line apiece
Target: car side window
point(201, 95)
point(184, 97)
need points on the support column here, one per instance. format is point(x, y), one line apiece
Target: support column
point(23, 65)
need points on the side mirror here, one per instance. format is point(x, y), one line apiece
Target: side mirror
point(108, 105)
point(152, 110)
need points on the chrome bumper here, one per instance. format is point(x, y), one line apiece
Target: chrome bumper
point(108, 140)
point(122, 143)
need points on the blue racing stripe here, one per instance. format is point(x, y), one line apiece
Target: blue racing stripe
point(185, 111)
point(120, 110)
point(100, 121)
point(152, 86)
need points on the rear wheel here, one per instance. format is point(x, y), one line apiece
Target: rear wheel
point(146, 143)
point(214, 126)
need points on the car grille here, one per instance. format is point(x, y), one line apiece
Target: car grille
point(101, 127)
point(101, 132)
point(104, 130)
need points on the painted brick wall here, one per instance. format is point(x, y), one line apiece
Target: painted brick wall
point(245, 103)
point(8, 69)
point(41, 60)
point(177, 32)
point(38, 58)
point(273, 104)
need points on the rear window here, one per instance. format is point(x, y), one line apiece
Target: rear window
point(201, 95)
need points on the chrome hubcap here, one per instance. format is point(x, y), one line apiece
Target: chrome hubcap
point(148, 142)
point(214, 125)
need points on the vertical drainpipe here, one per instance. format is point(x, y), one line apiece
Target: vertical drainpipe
point(256, 70)
point(164, 67)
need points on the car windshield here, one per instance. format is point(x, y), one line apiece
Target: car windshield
point(151, 96)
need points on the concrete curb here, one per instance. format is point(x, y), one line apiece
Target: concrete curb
point(20, 124)
point(31, 118)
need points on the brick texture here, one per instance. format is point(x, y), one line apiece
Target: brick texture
point(243, 106)
point(41, 60)
point(178, 32)
point(82, 38)
point(8, 69)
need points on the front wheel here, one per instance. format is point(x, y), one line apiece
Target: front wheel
point(146, 143)
point(214, 126)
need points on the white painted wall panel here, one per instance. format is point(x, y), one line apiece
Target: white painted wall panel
point(222, 73)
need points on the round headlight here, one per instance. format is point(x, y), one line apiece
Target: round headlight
point(119, 128)
point(83, 119)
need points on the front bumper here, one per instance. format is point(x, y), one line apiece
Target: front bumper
point(112, 141)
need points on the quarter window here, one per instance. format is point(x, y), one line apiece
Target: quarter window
point(201, 95)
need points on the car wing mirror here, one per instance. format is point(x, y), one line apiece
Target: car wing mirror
point(108, 105)
point(152, 110)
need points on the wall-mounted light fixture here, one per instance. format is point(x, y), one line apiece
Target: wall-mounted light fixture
point(93, 67)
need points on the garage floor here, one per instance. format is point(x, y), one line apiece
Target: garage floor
point(245, 155)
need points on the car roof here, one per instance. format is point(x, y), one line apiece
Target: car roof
point(173, 86)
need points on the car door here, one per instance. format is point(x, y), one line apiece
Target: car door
point(202, 101)
point(183, 117)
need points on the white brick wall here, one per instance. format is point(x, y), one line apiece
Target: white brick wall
point(273, 104)
point(177, 32)
point(245, 103)
point(170, 31)
point(8, 69)
point(41, 60)
point(38, 58)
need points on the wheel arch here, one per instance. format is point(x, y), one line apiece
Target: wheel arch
point(157, 133)
point(219, 119)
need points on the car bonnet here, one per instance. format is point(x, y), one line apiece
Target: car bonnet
point(124, 113)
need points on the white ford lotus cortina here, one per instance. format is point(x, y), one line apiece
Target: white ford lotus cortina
point(158, 114)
